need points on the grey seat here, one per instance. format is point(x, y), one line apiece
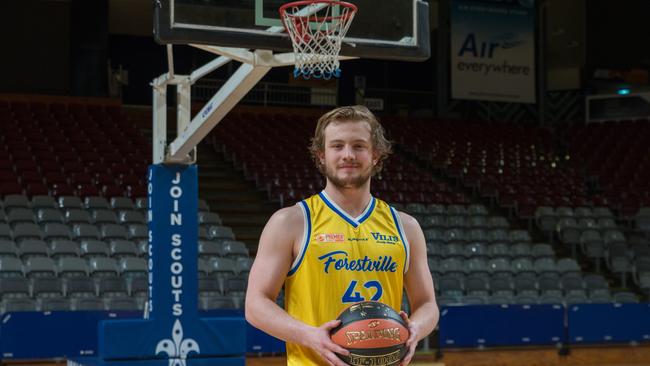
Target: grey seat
point(477, 265)
point(47, 287)
point(69, 267)
point(137, 232)
point(450, 286)
point(525, 285)
point(501, 299)
point(501, 285)
point(526, 299)
point(596, 284)
point(26, 231)
point(243, 265)
point(568, 231)
point(203, 233)
point(131, 217)
point(96, 203)
point(434, 221)
point(477, 210)
point(436, 209)
point(545, 265)
point(122, 248)
point(103, 217)
point(454, 236)
point(583, 212)
point(133, 267)
point(550, 299)
point(415, 208)
point(600, 298)
point(618, 261)
point(85, 231)
point(641, 273)
point(498, 222)
point(603, 212)
point(452, 250)
point(11, 267)
point(55, 304)
point(499, 265)
point(88, 304)
point(518, 236)
point(475, 300)
point(477, 235)
point(41, 201)
point(12, 201)
point(236, 284)
point(625, 297)
point(93, 248)
point(122, 304)
point(522, 250)
point(102, 267)
point(80, 287)
point(434, 250)
point(522, 264)
point(49, 215)
point(433, 235)
point(456, 222)
point(70, 202)
point(5, 231)
point(13, 305)
point(20, 215)
point(223, 266)
point(32, 248)
point(498, 236)
point(204, 268)
point(112, 287)
point(14, 287)
point(56, 231)
point(564, 212)
point(209, 249)
point(8, 248)
point(220, 232)
point(77, 216)
point(113, 232)
point(217, 302)
point(545, 219)
point(478, 222)
point(613, 237)
point(453, 265)
point(587, 223)
point(40, 267)
point(122, 203)
point(139, 287)
point(476, 249)
point(476, 285)
point(456, 210)
point(592, 245)
point(573, 285)
point(142, 203)
point(209, 287)
point(566, 265)
point(542, 250)
point(235, 249)
point(499, 250)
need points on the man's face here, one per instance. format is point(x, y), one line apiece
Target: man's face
point(348, 156)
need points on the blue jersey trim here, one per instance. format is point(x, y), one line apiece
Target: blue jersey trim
point(401, 235)
point(372, 207)
point(307, 237)
point(333, 208)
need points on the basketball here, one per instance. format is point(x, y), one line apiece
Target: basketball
point(373, 332)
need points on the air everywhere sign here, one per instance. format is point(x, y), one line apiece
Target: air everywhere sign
point(493, 50)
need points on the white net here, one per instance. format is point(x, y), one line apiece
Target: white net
point(316, 29)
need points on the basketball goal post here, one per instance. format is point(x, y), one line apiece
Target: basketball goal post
point(254, 65)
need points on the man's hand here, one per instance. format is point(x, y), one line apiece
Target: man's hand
point(412, 342)
point(319, 340)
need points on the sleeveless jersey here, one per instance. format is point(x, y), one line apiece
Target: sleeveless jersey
point(343, 260)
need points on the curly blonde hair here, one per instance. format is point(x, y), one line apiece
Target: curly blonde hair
point(355, 113)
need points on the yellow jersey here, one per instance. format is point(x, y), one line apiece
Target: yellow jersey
point(343, 260)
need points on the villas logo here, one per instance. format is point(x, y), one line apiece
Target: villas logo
point(385, 239)
point(330, 238)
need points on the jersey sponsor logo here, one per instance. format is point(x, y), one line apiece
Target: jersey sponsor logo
point(385, 239)
point(338, 260)
point(330, 238)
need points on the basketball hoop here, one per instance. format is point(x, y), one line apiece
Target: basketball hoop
point(316, 29)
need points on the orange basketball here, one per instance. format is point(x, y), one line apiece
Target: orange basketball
point(374, 334)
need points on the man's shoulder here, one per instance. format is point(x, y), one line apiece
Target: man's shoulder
point(291, 215)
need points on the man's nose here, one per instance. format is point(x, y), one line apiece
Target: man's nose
point(348, 152)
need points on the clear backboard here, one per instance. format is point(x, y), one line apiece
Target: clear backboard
point(382, 29)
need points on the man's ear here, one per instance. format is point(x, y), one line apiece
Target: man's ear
point(321, 157)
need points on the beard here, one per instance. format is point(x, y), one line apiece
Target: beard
point(356, 181)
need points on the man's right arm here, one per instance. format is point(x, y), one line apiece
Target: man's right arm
point(272, 263)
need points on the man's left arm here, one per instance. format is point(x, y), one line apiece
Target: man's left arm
point(419, 287)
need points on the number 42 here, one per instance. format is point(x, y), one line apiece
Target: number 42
point(351, 295)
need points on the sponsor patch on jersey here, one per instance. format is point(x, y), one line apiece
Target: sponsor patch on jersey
point(330, 238)
point(385, 239)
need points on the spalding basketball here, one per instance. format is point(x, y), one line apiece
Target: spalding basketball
point(374, 334)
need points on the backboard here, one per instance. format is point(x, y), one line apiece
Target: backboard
point(382, 29)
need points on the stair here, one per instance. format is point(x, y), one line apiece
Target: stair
point(239, 203)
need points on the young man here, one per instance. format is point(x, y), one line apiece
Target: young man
point(339, 247)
